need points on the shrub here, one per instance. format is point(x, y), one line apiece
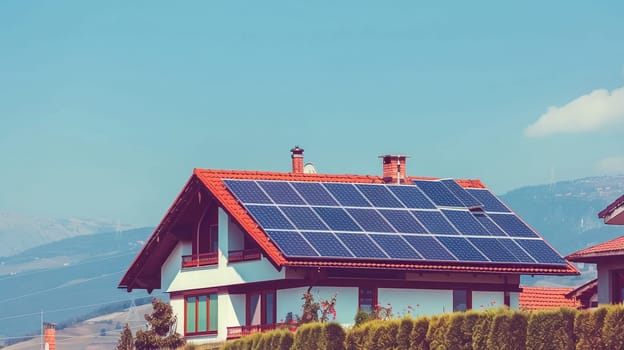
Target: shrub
point(507, 331)
point(418, 337)
point(403, 335)
point(467, 327)
point(383, 335)
point(481, 330)
point(547, 330)
point(334, 336)
point(361, 317)
point(455, 337)
point(286, 340)
point(309, 336)
point(436, 334)
point(566, 334)
point(518, 330)
point(356, 337)
point(613, 328)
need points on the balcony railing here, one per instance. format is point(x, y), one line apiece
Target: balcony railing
point(244, 255)
point(202, 259)
point(241, 331)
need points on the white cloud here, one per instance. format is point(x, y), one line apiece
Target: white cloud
point(611, 165)
point(594, 111)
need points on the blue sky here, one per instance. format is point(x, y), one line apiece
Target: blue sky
point(106, 107)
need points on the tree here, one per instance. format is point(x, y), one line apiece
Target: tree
point(125, 340)
point(161, 333)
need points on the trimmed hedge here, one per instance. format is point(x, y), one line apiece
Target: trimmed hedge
point(500, 329)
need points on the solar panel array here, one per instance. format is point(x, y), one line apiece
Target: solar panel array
point(431, 220)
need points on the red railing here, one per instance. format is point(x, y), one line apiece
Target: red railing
point(244, 255)
point(203, 259)
point(241, 331)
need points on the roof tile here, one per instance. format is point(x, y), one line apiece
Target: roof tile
point(608, 248)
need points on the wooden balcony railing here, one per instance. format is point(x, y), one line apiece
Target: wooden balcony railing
point(244, 255)
point(203, 259)
point(241, 331)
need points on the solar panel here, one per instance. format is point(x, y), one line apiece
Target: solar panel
point(512, 225)
point(327, 244)
point(411, 197)
point(489, 224)
point(462, 249)
point(314, 193)
point(541, 251)
point(337, 219)
point(269, 217)
point(489, 201)
point(493, 249)
point(429, 248)
point(402, 221)
point(515, 249)
point(280, 192)
point(466, 198)
point(379, 196)
point(370, 220)
point(247, 191)
point(304, 218)
point(291, 243)
point(396, 247)
point(439, 194)
point(347, 195)
point(465, 222)
point(361, 245)
point(435, 222)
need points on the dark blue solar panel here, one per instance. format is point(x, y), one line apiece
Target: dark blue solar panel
point(439, 193)
point(403, 221)
point(269, 217)
point(396, 247)
point(541, 251)
point(304, 218)
point(465, 222)
point(337, 219)
point(314, 193)
point(493, 249)
point(291, 243)
point(429, 248)
point(512, 225)
point(435, 222)
point(281, 192)
point(489, 224)
point(327, 244)
point(462, 249)
point(379, 196)
point(490, 202)
point(370, 220)
point(247, 191)
point(461, 193)
point(361, 245)
point(515, 249)
point(347, 195)
point(411, 197)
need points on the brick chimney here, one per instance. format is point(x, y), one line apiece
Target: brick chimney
point(49, 335)
point(297, 160)
point(394, 168)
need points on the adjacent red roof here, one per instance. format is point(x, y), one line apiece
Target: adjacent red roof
point(539, 298)
point(614, 213)
point(144, 273)
point(610, 248)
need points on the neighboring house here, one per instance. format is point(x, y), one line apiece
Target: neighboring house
point(237, 249)
point(540, 298)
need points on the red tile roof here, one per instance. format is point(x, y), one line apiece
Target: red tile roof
point(136, 276)
point(611, 207)
point(613, 247)
point(539, 298)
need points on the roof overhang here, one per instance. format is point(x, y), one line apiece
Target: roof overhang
point(613, 214)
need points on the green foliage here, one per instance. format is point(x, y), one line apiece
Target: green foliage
point(160, 333)
point(507, 331)
point(455, 336)
point(356, 337)
point(125, 339)
point(403, 335)
point(481, 330)
point(613, 328)
point(588, 329)
point(334, 336)
point(436, 335)
point(309, 336)
point(418, 337)
point(566, 334)
point(518, 330)
point(470, 319)
point(383, 335)
point(286, 340)
point(549, 330)
point(361, 317)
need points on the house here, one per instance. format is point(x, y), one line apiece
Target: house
point(541, 298)
point(237, 249)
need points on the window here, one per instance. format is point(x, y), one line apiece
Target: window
point(617, 281)
point(462, 300)
point(201, 314)
point(367, 298)
point(261, 308)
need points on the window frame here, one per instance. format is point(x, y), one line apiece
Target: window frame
point(468, 293)
point(263, 306)
point(208, 313)
point(374, 298)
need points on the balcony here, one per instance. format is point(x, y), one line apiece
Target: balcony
point(244, 255)
point(241, 331)
point(203, 259)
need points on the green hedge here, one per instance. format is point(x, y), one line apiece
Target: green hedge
point(501, 329)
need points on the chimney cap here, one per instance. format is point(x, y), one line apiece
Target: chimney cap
point(296, 150)
point(395, 156)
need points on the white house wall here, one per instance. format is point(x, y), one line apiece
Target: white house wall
point(177, 306)
point(418, 301)
point(487, 300)
point(289, 300)
point(605, 288)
